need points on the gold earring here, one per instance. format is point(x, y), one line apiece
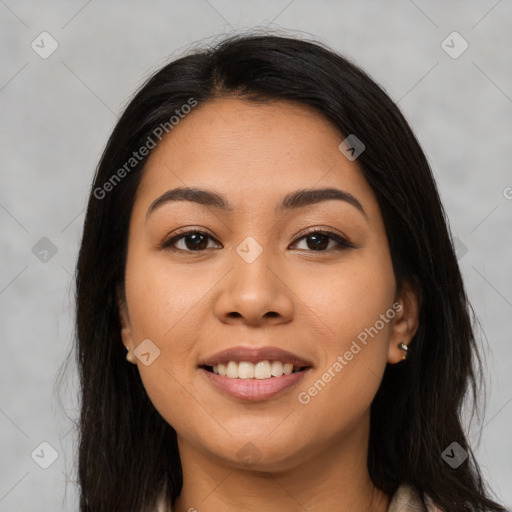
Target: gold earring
point(403, 347)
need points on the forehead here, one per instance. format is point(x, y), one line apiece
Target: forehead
point(256, 152)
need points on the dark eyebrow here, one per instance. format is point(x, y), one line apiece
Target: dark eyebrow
point(196, 195)
point(305, 197)
point(297, 199)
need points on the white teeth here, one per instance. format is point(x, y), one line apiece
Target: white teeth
point(277, 368)
point(245, 370)
point(261, 370)
point(287, 368)
point(232, 370)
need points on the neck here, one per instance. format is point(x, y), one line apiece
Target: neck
point(336, 479)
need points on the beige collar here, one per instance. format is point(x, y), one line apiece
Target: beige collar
point(407, 499)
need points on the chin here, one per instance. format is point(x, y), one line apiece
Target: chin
point(260, 453)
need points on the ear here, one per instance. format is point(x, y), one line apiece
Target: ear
point(405, 323)
point(126, 327)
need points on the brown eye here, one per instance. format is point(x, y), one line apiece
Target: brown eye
point(190, 241)
point(319, 241)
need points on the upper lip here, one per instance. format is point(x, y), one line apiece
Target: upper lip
point(255, 355)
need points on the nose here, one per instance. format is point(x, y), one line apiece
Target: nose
point(255, 293)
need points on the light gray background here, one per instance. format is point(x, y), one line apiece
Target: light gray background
point(58, 112)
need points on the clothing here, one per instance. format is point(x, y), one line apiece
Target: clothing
point(405, 499)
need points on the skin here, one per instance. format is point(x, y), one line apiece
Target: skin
point(193, 304)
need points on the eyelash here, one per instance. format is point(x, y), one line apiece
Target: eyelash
point(342, 242)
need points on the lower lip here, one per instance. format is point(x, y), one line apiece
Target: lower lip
point(254, 389)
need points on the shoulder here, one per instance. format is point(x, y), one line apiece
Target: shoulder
point(407, 499)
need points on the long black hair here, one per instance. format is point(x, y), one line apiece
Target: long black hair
point(127, 452)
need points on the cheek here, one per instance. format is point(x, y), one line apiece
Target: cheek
point(349, 298)
point(355, 308)
point(168, 393)
point(165, 307)
point(164, 297)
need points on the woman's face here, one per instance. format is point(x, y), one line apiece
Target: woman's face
point(256, 282)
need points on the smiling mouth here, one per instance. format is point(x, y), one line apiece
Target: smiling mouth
point(261, 370)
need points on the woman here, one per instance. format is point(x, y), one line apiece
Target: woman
point(265, 245)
